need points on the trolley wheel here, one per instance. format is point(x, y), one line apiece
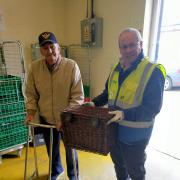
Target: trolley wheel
point(0, 159)
point(19, 152)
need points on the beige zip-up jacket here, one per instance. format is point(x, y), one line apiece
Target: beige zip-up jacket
point(49, 93)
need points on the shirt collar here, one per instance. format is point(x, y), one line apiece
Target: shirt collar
point(54, 66)
point(135, 63)
point(138, 59)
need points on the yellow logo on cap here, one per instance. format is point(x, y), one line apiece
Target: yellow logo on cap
point(45, 35)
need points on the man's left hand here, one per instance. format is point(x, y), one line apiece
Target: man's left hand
point(89, 104)
point(118, 116)
point(59, 126)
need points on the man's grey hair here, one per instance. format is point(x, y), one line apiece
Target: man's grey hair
point(135, 31)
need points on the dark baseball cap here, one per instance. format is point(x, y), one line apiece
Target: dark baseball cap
point(46, 37)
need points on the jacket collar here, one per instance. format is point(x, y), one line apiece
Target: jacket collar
point(134, 64)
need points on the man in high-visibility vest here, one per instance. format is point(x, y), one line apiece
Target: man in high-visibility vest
point(134, 93)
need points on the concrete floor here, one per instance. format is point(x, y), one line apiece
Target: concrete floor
point(92, 167)
point(163, 160)
point(164, 147)
point(160, 166)
point(167, 125)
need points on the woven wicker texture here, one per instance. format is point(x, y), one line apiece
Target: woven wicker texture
point(85, 128)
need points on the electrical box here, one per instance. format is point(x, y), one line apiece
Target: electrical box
point(91, 32)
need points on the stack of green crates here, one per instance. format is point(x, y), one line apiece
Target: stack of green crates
point(12, 113)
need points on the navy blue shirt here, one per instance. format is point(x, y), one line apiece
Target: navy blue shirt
point(151, 102)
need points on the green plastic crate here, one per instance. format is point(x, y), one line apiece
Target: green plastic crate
point(11, 140)
point(5, 77)
point(12, 131)
point(11, 128)
point(10, 89)
point(12, 108)
point(12, 118)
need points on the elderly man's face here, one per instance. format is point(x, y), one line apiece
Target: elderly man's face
point(129, 46)
point(51, 52)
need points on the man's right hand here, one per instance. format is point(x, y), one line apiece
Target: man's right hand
point(28, 119)
point(89, 104)
point(118, 116)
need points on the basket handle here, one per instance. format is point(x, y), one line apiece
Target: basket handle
point(68, 117)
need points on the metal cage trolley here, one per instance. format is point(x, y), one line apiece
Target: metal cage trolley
point(12, 108)
point(36, 173)
point(31, 129)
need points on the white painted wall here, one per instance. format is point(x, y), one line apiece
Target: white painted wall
point(25, 19)
point(117, 15)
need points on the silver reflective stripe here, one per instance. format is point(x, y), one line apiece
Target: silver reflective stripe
point(136, 124)
point(136, 101)
point(138, 91)
point(125, 105)
point(112, 76)
point(110, 102)
point(142, 84)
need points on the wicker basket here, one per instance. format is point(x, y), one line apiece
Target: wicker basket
point(85, 128)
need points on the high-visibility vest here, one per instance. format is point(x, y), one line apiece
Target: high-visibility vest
point(130, 93)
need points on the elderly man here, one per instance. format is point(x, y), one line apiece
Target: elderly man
point(134, 93)
point(53, 83)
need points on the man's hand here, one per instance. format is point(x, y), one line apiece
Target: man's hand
point(118, 116)
point(28, 119)
point(59, 126)
point(89, 104)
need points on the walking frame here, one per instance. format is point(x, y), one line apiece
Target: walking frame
point(36, 173)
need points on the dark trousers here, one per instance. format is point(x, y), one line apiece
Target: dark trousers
point(129, 160)
point(56, 157)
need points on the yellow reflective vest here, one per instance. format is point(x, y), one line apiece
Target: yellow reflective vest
point(130, 94)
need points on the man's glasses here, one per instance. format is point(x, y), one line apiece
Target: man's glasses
point(130, 46)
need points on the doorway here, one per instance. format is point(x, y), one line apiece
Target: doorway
point(167, 52)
